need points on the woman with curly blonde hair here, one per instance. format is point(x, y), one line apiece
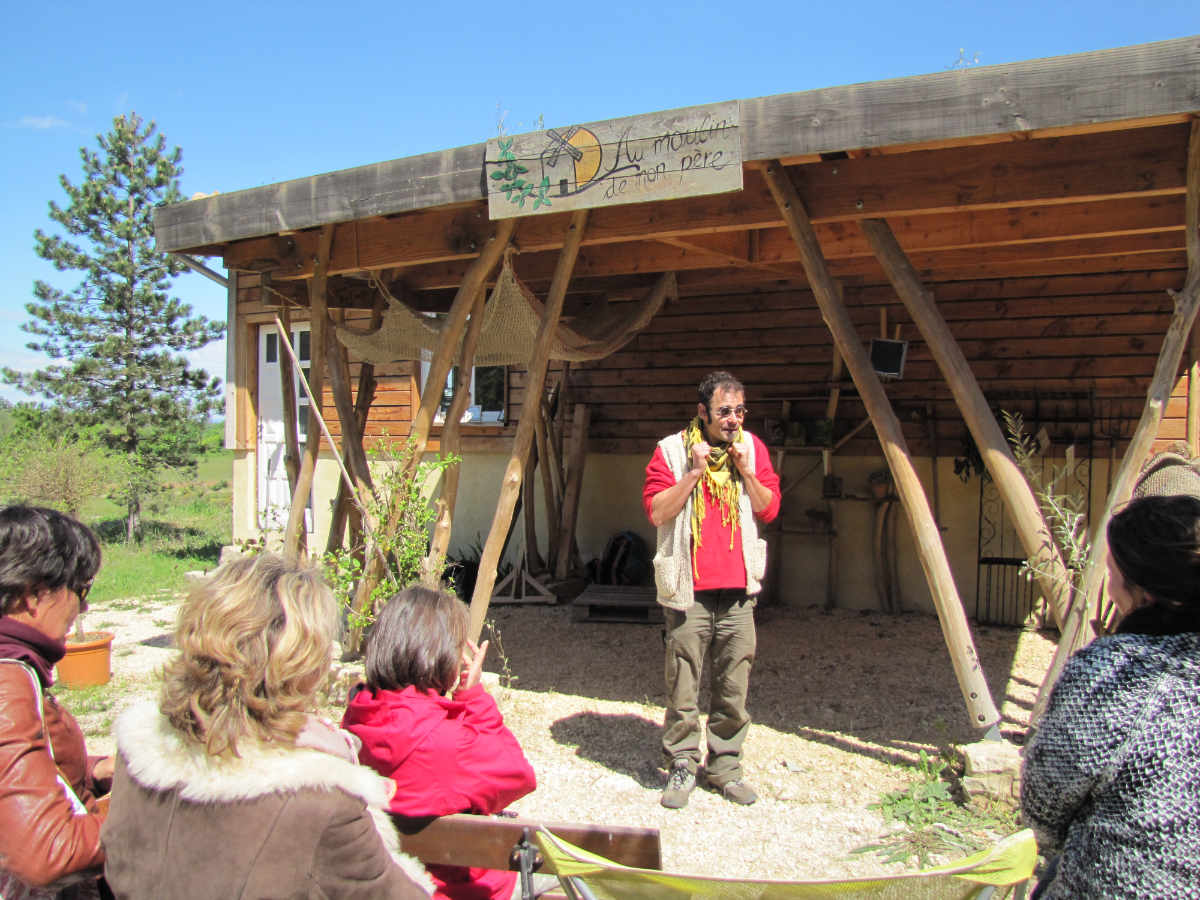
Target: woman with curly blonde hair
point(230, 787)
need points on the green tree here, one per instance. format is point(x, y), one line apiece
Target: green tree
point(116, 340)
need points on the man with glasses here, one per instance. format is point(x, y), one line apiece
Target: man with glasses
point(705, 487)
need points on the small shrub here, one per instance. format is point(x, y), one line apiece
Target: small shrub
point(61, 471)
point(931, 819)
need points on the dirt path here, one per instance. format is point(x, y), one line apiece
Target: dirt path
point(843, 703)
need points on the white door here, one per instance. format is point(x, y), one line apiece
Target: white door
point(274, 497)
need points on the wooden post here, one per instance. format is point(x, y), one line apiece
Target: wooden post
point(549, 491)
point(533, 558)
point(452, 329)
point(352, 444)
point(570, 507)
point(294, 539)
point(452, 443)
point(287, 384)
point(511, 484)
point(1193, 396)
point(1018, 497)
point(928, 539)
point(476, 274)
point(1079, 629)
point(343, 508)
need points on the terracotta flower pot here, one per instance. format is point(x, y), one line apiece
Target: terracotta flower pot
point(88, 662)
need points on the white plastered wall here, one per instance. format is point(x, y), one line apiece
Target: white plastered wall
point(611, 502)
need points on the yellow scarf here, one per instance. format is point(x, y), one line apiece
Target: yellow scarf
point(722, 479)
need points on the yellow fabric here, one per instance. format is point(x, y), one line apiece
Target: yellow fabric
point(720, 477)
point(1009, 862)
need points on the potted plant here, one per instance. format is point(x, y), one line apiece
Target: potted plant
point(89, 657)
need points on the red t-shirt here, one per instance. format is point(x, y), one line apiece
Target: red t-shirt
point(719, 562)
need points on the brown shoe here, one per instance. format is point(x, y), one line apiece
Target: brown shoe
point(681, 781)
point(737, 792)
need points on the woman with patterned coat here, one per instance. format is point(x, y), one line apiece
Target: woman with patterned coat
point(1111, 780)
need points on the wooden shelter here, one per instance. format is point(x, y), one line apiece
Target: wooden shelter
point(1008, 235)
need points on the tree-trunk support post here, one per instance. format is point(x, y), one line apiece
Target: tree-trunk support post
point(343, 509)
point(451, 444)
point(294, 541)
point(1079, 628)
point(511, 485)
point(464, 299)
point(570, 508)
point(1015, 491)
point(932, 554)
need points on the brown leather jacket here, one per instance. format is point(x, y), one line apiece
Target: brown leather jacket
point(42, 839)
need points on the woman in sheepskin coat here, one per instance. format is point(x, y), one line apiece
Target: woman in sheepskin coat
point(228, 787)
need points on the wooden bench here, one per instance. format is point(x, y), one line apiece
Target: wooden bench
point(503, 842)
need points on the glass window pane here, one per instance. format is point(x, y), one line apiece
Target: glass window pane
point(489, 387)
point(272, 347)
point(304, 352)
point(302, 428)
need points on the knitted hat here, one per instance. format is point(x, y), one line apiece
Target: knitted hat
point(1166, 474)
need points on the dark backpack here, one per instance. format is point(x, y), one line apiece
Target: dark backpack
point(626, 560)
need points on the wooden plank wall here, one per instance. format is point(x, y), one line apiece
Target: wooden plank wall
point(1071, 353)
point(1031, 341)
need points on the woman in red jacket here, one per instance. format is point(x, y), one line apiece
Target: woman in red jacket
point(427, 722)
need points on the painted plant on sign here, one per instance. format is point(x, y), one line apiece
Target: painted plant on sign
point(516, 188)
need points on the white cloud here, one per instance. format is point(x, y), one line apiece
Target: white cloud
point(41, 123)
point(211, 358)
point(79, 106)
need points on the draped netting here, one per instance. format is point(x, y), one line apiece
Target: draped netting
point(511, 319)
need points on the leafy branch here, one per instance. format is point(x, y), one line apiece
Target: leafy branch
point(1066, 513)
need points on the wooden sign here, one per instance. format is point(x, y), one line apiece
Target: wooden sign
point(659, 156)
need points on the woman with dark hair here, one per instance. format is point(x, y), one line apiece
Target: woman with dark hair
point(229, 786)
point(1111, 780)
point(426, 722)
point(49, 814)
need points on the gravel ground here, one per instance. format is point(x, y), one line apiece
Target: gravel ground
point(843, 702)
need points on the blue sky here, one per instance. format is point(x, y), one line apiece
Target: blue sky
point(259, 92)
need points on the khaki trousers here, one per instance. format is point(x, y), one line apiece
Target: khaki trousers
point(719, 628)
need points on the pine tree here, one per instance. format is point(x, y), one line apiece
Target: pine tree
point(117, 339)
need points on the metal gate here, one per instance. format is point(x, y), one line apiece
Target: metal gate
point(1064, 426)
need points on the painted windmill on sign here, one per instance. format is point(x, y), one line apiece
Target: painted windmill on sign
point(571, 159)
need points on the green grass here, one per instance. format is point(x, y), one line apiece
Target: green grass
point(184, 528)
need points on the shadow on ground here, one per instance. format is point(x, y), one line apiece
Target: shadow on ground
point(591, 735)
point(877, 684)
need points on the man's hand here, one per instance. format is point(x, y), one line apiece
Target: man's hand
point(700, 453)
point(740, 452)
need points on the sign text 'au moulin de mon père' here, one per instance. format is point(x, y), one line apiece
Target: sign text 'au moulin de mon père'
point(659, 156)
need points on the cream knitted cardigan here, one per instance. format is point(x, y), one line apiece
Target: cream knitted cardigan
point(673, 556)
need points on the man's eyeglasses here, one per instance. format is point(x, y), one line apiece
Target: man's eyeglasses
point(726, 411)
point(82, 592)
